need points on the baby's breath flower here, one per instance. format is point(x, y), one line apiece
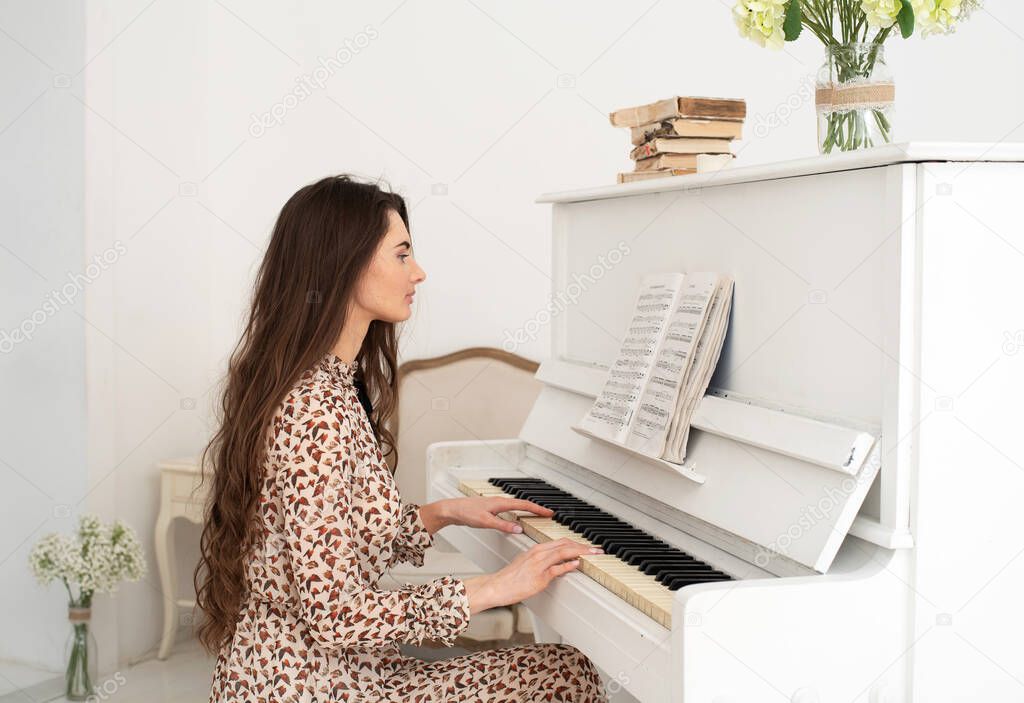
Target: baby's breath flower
point(96, 559)
point(48, 557)
point(880, 13)
point(761, 21)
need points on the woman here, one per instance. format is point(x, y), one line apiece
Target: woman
point(304, 515)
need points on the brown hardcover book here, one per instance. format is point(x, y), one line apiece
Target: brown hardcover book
point(680, 106)
point(669, 161)
point(680, 145)
point(682, 127)
point(658, 173)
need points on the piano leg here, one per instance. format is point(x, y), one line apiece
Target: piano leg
point(613, 687)
point(541, 631)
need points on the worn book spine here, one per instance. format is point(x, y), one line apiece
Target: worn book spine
point(680, 145)
point(683, 127)
point(699, 107)
point(667, 161)
point(632, 176)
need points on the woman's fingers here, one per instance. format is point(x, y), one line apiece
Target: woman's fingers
point(563, 542)
point(504, 525)
point(504, 504)
point(564, 567)
point(568, 551)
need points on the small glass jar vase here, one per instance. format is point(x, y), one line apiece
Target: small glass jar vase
point(854, 97)
point(81, 675)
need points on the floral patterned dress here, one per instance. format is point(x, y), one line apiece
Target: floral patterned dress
point(314, 625)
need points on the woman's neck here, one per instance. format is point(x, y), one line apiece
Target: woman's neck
point(351, 339)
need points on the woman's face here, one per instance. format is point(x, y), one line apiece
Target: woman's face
point(385, 291)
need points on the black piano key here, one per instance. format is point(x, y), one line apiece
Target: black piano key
point(619, 547)
point(598, 519)
point(636, 557)
point(667, 578)
point(506, 483)
point(626, 541)
point(600, 531)
point(677, 583)
point(634, 540)
point(595, 517)
point(632, 543)
point(548, 498)
point(567, 510)
point(653, 567)
point(544, 498)
point(567, 507)
point(667, 573)
point(632, 534)
point(591, 518)
point(583, 529)
point(528, 488)
point(570, 508)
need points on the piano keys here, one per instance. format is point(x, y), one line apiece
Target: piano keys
point(636, 566)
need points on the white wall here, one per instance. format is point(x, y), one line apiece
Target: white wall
point(470, 109)
point(42, 375)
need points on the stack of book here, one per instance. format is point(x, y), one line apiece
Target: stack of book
point(681, 135)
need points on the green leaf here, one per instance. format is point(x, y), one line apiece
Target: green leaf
point(792, 24)
point(906, 19)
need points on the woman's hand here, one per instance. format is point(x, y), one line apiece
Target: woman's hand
point(529, 573)
point(478, 512)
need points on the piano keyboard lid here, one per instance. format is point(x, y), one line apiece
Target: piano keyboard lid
point(772, 487)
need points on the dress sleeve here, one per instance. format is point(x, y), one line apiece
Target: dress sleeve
point(337, 605)
point(413, 538)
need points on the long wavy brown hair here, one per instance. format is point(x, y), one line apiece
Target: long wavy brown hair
point(325, 238)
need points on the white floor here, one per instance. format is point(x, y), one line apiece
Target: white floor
point(184, 677)
point(15, 677)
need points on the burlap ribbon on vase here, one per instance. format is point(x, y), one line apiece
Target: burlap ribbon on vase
point(79, 614)
point(854, 96)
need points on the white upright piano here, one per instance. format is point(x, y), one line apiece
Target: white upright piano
point(857, 467)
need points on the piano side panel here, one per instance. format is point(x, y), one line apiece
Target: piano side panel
point(841, 637)
point(967, 502)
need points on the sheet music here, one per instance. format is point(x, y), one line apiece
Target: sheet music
point(705, 359)
point(658, 403)
point(612, 412)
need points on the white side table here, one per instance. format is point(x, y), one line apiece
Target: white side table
point(181, 496)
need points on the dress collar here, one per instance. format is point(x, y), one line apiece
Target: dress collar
point(337, 370)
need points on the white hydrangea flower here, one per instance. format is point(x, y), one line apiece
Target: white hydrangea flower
point(941, 16)
point(761, 21)
point(880, 13)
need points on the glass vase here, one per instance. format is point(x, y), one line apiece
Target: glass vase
point(81, 675)
point(854, 97)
